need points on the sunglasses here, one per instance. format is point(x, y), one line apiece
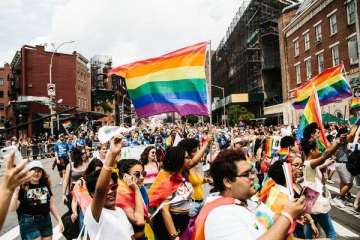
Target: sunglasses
point(112, 187)
point(139, 174)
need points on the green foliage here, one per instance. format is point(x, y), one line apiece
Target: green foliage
point(238, 113)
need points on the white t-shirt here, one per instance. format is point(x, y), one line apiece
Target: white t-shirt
point(232, 222)
point(113, 224)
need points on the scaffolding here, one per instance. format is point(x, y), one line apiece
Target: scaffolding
point(247, 59)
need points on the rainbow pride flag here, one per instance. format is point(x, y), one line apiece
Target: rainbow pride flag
point(355, 104)
point(331, 86)
point(312, 113)
point(174, 82)
point(125, 197)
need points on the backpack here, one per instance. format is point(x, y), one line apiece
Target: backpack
point(353, 164)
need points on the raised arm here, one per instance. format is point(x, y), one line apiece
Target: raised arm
point(200, 153)
point(104, 179)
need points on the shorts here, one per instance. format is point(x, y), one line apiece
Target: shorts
point(35, 226)
point(344, 175)
point(63, 162)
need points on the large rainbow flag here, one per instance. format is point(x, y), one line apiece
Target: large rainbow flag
point(331, 86)
point(355, 104)
point(312, 113)
point(174, 82)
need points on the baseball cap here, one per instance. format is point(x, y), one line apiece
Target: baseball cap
point(35, 164)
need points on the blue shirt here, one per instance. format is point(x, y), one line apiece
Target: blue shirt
point(61, 148)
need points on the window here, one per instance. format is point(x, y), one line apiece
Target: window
point(353, 50)
point(1, 94)
point(333, 24)
point(318, 33)
point(308, 68)
point(298, 74)
point(307, 41)
point(2, 106)
point(1, 82)
point(350, 11)
point(335, 55)
point(320, 60)
point(296, 48)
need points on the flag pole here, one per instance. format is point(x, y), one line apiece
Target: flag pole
point(209, 82)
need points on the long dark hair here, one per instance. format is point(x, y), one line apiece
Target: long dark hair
point(174, 159)
point(125, 165)
point(144, 157)
point(76, 156)
point(44, 181)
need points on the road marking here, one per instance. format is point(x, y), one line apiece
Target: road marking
point(343, 231)
point(15, 232)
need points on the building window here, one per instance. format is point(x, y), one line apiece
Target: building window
point(308, 68)
point(1, 82)
point(298, 74)
point(296, 48)
point(333, 24)
point(320, 60)
point(350, 10)
point(353, 50)
point(318, 33)
point(1, 94)
point(2, 106)
point(335, 55)
point(307, 41)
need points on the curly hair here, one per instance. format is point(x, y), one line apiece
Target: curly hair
point(144, 157)
point(174, 159)
point(44, 180)
point(224, 167)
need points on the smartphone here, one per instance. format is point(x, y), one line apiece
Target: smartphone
point(6, 151)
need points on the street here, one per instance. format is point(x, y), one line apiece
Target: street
point(346, 220)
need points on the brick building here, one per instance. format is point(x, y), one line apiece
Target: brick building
point(4, 92)
point(30, 76)
point(316, 35)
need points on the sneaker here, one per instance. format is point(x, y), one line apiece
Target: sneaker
point(338, 202)
point(330, 181)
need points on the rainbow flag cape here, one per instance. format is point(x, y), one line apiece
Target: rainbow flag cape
point(312, 113)
point(82, 196)
point(164, 185)
point(355, 104)
point(125, 197)
point(277, 198)
point(174, 82)
point(331, 86)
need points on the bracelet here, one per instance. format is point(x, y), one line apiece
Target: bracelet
point(173, 236)
point(287, 215)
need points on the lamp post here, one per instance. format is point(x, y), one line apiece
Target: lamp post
point(51, 84)
point(223, 94)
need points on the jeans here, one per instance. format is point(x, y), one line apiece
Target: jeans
point(35, 226)
point(324, 220)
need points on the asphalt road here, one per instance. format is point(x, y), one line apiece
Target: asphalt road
point(346, 221)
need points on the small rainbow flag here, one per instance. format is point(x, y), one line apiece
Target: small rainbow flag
point(331, 86)
point(283, 152)
point(66, 124)
point(355, 104)
point(312, 113)
point(174, 82)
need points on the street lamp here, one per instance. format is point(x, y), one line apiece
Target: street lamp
point(51, 95)
point(223, 94)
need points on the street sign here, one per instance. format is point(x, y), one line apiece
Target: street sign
point(51, 89)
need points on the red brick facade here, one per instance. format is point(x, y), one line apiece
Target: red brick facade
point(70, 75)
point(4, 92)
point(317, 14)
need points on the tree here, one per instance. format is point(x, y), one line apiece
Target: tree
point(238, 113)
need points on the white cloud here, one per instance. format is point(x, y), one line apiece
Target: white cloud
point(127, 30)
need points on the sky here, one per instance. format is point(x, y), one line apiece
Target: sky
point(126, 30)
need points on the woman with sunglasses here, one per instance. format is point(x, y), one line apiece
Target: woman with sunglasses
point(103, 220)
point(33, 202)
point(131, 195)
point(151, 166)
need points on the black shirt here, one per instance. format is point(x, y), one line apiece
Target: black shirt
point(34, 200)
